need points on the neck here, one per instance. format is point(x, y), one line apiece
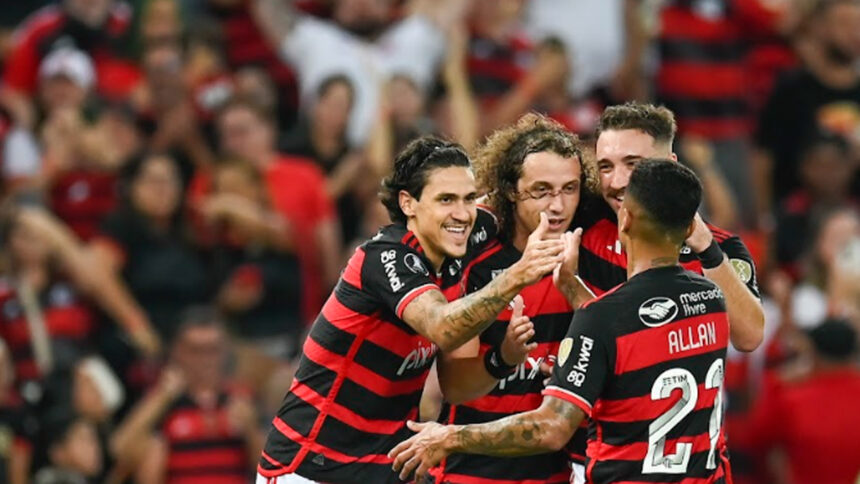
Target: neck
point(324, 143)
point(642, 256)
point(435, 257)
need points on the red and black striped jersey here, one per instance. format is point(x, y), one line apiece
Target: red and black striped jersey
point(68, 320)
point(363, 368)
point(203, 446)
point(603, 262)
point(646, 361)
point(520, 392)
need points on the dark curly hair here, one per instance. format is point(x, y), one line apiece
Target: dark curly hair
point(670, 193)
point(499, 161)
point(411, 168)
point(656, 121)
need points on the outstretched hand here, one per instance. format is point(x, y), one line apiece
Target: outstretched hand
point(541, 255)
point(516, 346)
point(422, 451)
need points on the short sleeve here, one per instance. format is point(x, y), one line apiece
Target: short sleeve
point(585, 360)
point(742, 262)
point(22, 64)
point(395, 275)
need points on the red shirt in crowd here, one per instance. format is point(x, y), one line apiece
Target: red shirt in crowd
point(816, 423)
point(49, 26)
point(296, 189)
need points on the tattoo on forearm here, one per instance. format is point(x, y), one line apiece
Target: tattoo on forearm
point(518, 435)
point(466, 317)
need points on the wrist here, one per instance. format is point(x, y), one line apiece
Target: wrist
point(712, 256)
point(452, 443)
point(495, 365)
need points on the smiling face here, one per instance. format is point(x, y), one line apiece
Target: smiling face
point(559, 179)
point(617, 153)
point(443, 215)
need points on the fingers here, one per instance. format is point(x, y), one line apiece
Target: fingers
point(574, 239)
point(416, 426)
point(518, 308)
point(542, 227)
point(409, 466)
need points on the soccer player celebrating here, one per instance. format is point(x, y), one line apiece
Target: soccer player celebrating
point(529, 168)
point(365, 361)
point(644, 361)
point(627, 134)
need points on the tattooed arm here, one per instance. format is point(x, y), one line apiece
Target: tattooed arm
point(450, 325)
point(545, 429)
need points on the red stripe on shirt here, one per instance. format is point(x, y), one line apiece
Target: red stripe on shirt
point(652, 346)
point(354, 420)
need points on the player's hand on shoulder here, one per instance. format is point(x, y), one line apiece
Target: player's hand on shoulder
point(541, 255)
point(422, 451)
point(516, 347)
point(701, 237)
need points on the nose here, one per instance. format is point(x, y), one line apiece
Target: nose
point(619, 179)
point(556, 202)
point(461, 212)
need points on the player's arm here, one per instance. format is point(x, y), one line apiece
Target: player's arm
point(465, 374)
point(746, 316)
point(451, 324)
point(545, 429)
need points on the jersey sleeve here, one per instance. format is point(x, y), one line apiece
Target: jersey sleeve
point(586, 359)
point(395, 275)
point(742, 262)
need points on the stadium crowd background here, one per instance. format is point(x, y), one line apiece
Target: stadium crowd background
point(171, 164)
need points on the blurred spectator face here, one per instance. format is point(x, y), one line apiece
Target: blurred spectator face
point(200, 354)
point(826, 171)
point(495, 15)
point(331, 112)
point(244, 135)
point(66, 77)
point(26, 248)
point(163, 66)
point(406, 101)
point(121, 129)
point(362, 17)
point(835, 233)
point(617, 153)
point(547, 172)
point(156, 189)
point(161, 21)
point(256, 84)
point(91, 12)
point(79, 450)
point(839, 30)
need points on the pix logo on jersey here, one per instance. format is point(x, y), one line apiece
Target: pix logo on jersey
point(657, 311)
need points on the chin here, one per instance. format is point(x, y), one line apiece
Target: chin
point(456, 251)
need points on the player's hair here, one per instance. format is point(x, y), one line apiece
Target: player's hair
point(499, 161)
point(411, 169)
point(199, 317)
point(655, 121)
point(670, 193)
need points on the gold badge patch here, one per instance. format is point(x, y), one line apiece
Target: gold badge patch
point(743, 269)
point(564, 350)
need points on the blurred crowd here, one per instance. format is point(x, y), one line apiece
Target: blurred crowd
point(183, 180)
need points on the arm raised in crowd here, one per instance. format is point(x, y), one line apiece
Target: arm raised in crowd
point(465, 118)
point(275, 19)
point(93, 277)
point(451, 324)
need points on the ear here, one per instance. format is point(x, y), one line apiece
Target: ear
point(625, 220)
point(690, 229)
point(407, 203)
point(674, 156)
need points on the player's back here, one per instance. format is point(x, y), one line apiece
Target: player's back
point(657, 416)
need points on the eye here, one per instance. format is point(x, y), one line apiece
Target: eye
point(472, 198)
point(604, 167)
point(570, 188)
point(540, 191)
point(446, 199)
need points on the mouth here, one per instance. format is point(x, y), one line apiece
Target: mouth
point(616, 199)
point(459, 232)
point(557, 224)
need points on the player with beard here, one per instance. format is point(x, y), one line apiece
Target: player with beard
point(364, 364)
point(531, 168)
point(648, 373)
